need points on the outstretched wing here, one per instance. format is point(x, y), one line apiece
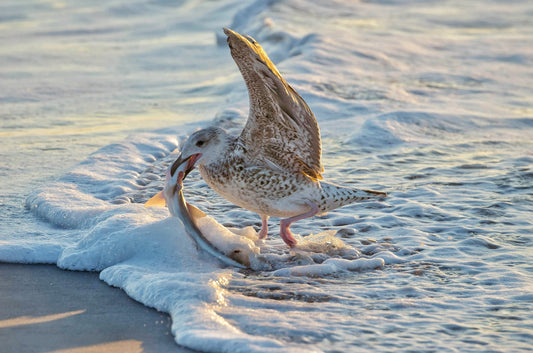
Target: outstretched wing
point(281, 129)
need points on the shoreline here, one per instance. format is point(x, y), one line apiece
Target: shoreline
point(46, 309)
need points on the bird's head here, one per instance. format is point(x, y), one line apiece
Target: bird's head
point(200, 148)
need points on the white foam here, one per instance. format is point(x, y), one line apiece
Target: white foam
point(331, 267)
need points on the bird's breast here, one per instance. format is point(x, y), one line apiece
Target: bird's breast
point(261, 190)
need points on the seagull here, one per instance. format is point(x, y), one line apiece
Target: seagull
point(274, 166)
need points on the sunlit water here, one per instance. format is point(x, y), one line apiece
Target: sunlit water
point(429, 101)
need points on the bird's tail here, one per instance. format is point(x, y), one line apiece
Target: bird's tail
point(334, 196)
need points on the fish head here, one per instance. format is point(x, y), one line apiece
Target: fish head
point(201, 147)
point(241, 255)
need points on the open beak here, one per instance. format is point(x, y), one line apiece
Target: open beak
point(191, 161)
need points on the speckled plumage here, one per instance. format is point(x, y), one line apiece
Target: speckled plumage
point(274, 167)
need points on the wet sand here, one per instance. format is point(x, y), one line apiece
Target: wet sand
point(45, 309)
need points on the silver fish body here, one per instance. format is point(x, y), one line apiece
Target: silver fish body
point(178, 207)
point(195, 233)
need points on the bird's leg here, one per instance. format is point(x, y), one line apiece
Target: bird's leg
point(285, 232)
point(264, 227)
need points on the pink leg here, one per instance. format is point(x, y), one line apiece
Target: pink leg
point(264, 227)
point(285, 232)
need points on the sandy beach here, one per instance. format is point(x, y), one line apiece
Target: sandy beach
point(45, 309)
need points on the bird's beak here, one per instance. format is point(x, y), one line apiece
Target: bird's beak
point(191, 161)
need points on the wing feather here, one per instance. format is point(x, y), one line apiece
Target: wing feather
point(281, 129)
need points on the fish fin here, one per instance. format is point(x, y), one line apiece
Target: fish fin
point(195, 212)
point(158, 200)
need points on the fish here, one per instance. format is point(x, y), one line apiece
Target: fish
point(172, 196)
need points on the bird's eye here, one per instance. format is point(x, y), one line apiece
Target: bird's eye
point(200, 143)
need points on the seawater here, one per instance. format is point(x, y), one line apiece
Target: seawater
point(429, 101)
